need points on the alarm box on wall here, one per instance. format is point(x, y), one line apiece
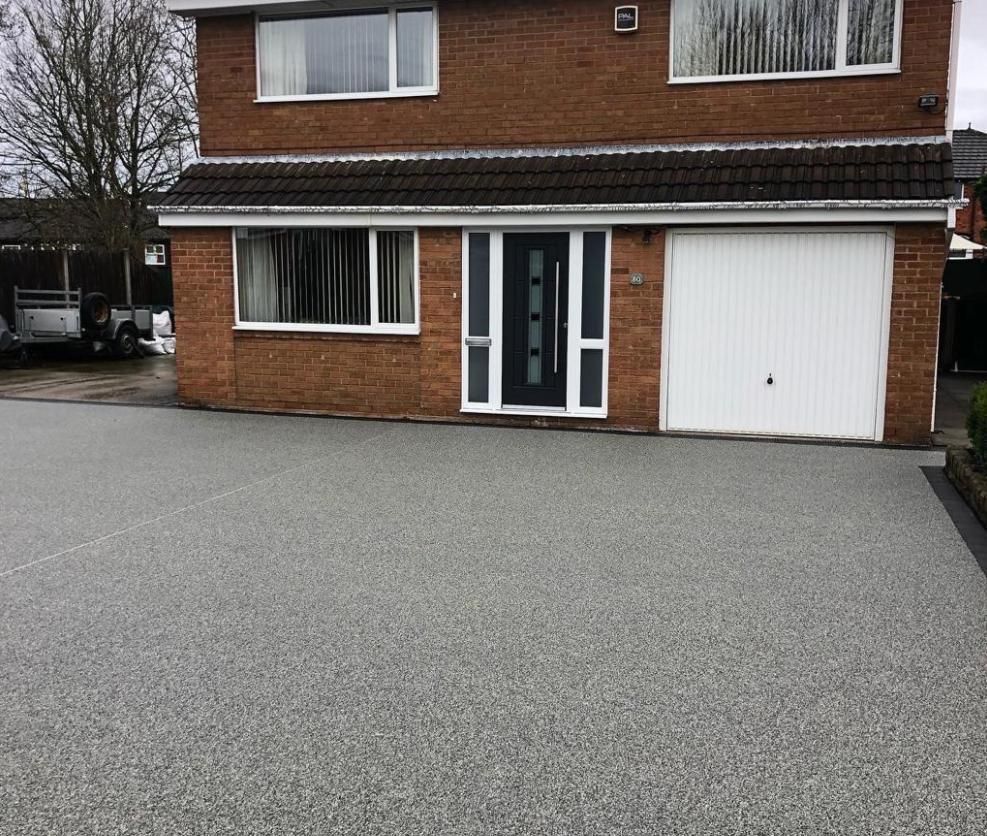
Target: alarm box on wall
point(625, 19)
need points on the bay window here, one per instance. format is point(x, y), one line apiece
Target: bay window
point(376, 52)
point(722, 40)
point(316, 279)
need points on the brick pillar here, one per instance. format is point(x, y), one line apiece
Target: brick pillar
point(441, 256)
point(635, 328)
point(202, 273)
point(919, 259)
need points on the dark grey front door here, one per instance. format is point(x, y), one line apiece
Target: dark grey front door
point(536, 304)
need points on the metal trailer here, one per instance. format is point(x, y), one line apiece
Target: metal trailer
point(66, 316)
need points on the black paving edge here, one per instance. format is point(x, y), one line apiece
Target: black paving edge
point(966, 521)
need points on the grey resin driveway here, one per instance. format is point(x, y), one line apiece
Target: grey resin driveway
point(236, 624)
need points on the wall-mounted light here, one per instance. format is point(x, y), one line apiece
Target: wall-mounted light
point(928, 102)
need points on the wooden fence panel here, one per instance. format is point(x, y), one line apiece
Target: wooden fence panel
point(91, 271)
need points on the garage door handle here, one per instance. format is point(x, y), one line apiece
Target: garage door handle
point(771, 379)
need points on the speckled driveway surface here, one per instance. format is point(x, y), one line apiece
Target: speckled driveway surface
point(291, 625)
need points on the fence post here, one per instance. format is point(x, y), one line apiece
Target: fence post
point(126, 278)
point(65, 273)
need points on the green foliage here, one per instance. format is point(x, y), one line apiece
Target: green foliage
point(976, 423)
point(980, 192)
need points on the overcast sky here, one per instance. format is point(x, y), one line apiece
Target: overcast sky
point(971, 101)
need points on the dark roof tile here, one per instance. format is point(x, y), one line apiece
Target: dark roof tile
point(917, 171)
point(969, 154)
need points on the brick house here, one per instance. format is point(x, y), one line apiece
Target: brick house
point(970, 164)
point(685, 215)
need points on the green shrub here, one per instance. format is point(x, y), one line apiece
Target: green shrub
point(976, 423)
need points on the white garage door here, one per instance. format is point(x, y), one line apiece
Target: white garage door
point(777, 332)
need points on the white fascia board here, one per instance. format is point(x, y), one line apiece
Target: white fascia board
point(521, 216)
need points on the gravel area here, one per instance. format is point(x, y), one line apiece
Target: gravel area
point(231, 624)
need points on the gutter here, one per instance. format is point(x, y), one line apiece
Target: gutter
point(542, 151)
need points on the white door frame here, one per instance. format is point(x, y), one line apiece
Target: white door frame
point(575, 341)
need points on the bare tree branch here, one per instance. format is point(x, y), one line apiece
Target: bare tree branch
point(97, 107)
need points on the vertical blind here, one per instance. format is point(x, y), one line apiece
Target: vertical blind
point(751, 37)
point(346, 53)
point(870, 32)
point(323, 276)
point(416, 48)
point(396, 267)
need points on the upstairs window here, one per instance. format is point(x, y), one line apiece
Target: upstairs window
point(387, 51)
point(724, 40)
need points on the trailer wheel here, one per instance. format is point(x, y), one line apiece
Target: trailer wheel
point(125, 346)
point(95, 311)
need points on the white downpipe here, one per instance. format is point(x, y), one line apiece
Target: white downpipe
point(954, 63)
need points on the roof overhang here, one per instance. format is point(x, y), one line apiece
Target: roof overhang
point(958, 242)
point(574, 215)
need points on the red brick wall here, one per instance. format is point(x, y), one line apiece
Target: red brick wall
point(394, 376)
point(552, 72)
point(441, 253)
point(635, 328)
point(420, 377)
point(920, 254)
point(202, 271)
point(391, 376)
point(970, 221)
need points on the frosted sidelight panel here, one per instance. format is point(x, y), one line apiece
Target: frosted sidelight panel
point(479, 271)
point(594, 284)
point(591, 378)
point(478, 318)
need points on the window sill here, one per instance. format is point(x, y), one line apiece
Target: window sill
point(533, 412)
point(344, 330)
point(821, 74)
point(416, 92)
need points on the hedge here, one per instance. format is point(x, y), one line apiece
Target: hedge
point(976, 424)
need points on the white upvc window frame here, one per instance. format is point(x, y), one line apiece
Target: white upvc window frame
point(375, 326)
point(393, 91)
point(842, 69)
point(155, 255)
point(494, 404)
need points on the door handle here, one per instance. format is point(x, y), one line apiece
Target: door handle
point(555, 357)
point(771, 379)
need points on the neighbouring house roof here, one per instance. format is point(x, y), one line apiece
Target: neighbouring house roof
point(902, 173)
point(969, 154)
point(958, 242)
point(52, 222)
